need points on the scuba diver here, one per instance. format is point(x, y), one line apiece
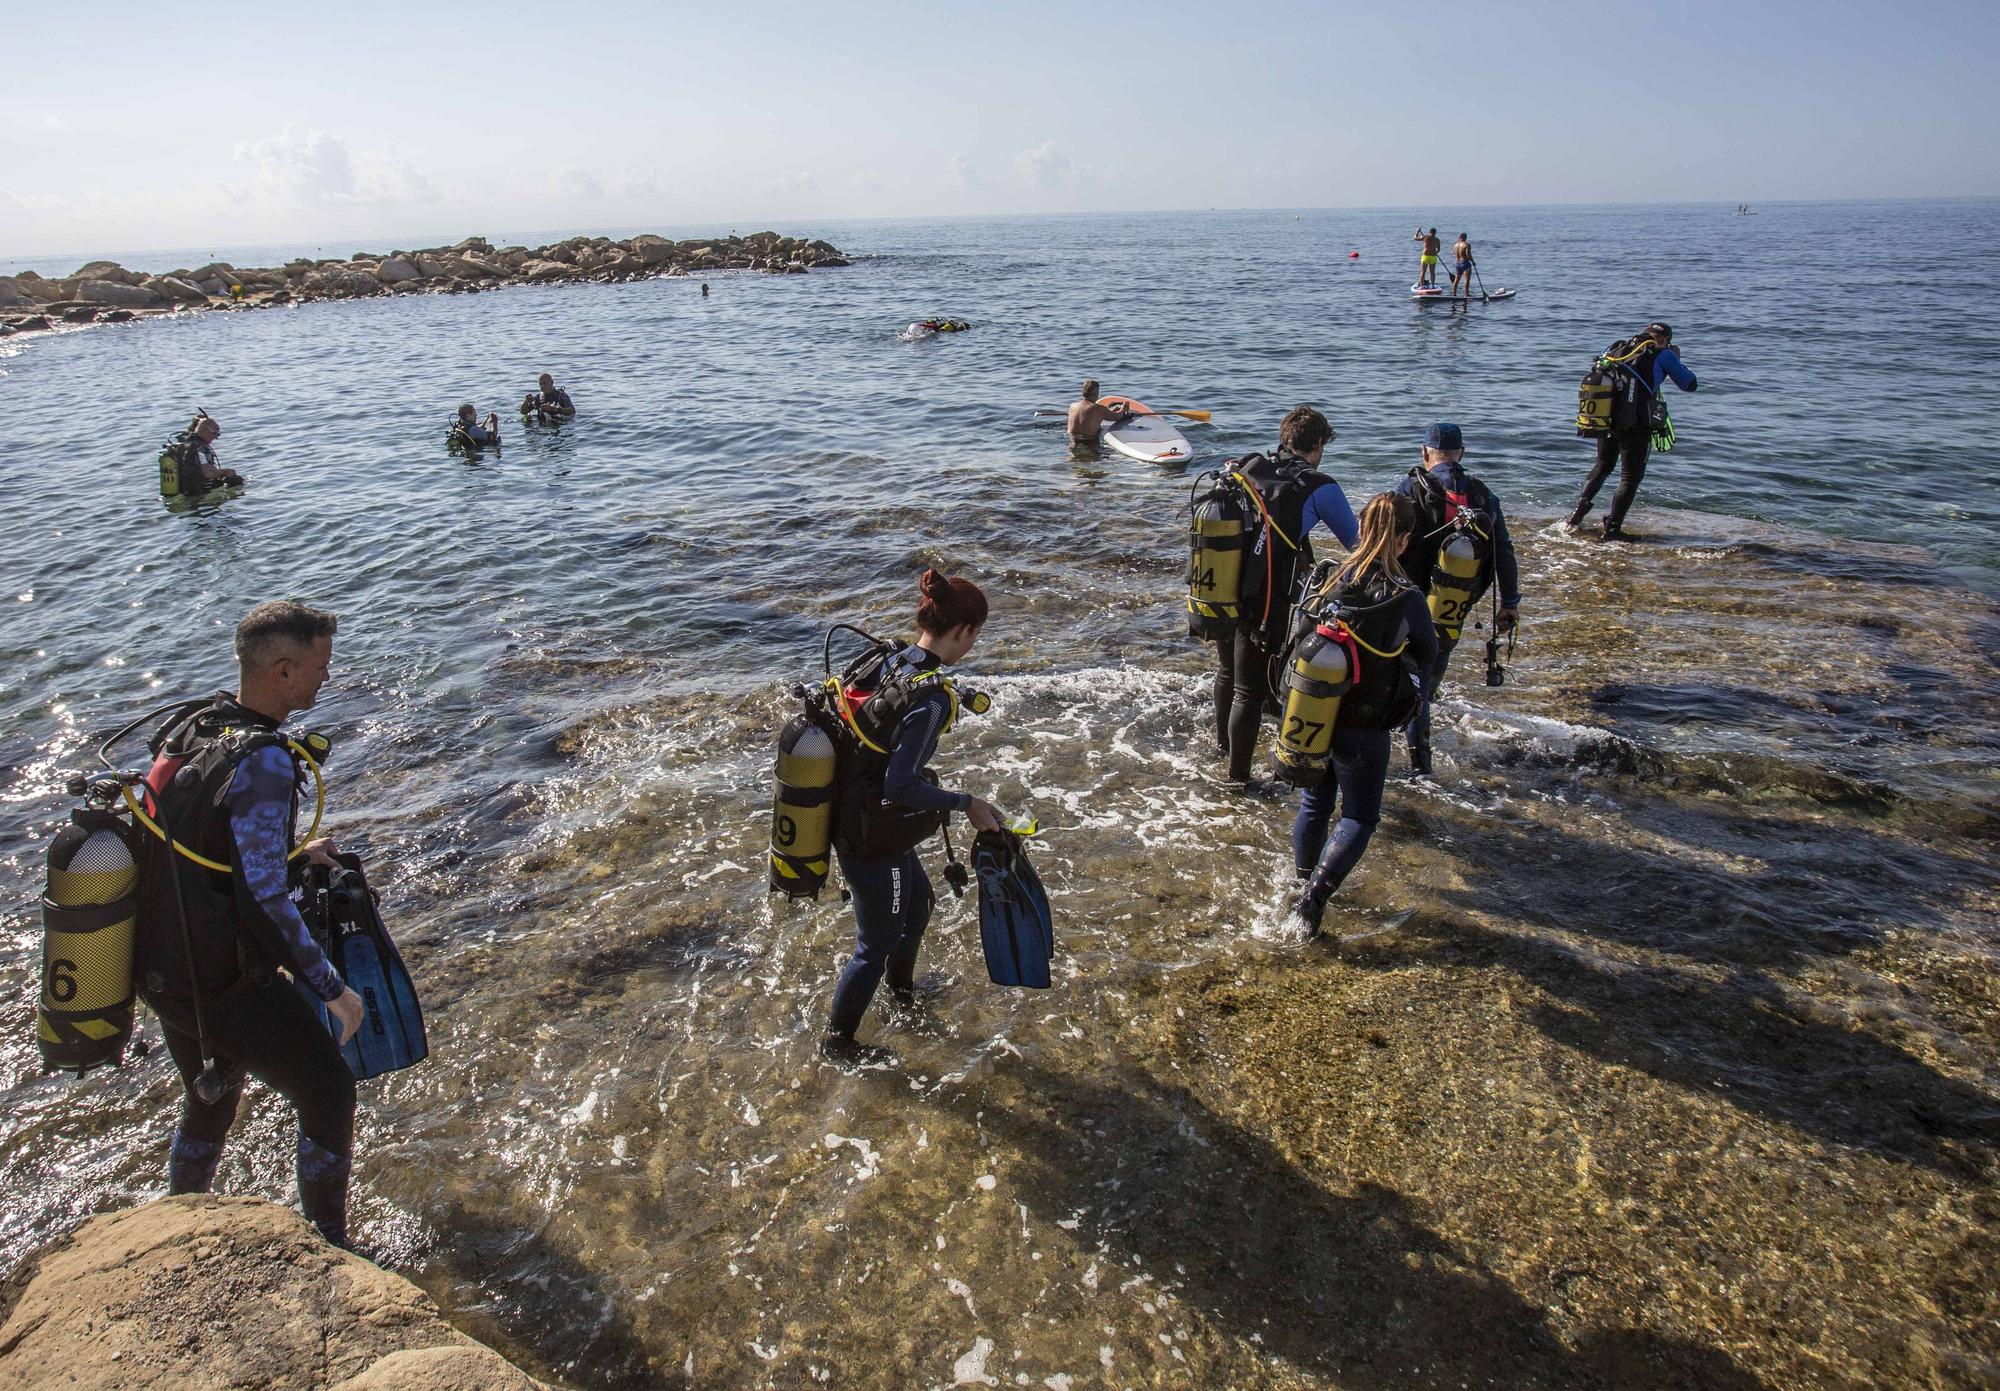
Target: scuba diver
point(1376, 609)
point(210, 942)
point(549, 404)
point(468, 431)
point(1290, 497)
point(1458, 547)
point(891, 803)
point(187, 464)
point(1639, 367)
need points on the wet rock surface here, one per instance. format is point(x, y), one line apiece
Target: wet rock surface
point(472, 264)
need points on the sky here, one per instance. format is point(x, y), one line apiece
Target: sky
point(142, 126)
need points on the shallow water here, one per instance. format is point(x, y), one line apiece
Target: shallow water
point(1659, 1049)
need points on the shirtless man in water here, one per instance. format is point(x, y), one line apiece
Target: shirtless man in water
point(1087, 417)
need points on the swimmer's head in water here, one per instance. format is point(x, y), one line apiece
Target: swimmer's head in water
point(1090, 388)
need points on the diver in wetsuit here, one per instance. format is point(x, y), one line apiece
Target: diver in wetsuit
point(1298, 498)
point(889, 804)
point(193, 454)
point(1388, 614)
point(225, 785)
point(1649, 362)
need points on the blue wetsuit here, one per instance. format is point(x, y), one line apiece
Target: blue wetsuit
point(893, 898)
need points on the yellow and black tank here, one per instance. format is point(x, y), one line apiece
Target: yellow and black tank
point(1217, 535)
point(1455, 583)
point(1319, 670)
point(802, 805)
point(1595, 395)
point(89, 912)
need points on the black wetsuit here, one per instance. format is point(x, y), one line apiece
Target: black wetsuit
point(1630, 442)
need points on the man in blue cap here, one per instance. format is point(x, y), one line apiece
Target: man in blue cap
point(1458, 548)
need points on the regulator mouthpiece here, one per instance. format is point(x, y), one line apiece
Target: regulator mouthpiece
point(978, 702)
point(1496, 675)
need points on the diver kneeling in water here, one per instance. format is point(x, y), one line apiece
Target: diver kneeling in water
point(1389, 624)
point(468, 431)
point(891, 803)
point(213, 934)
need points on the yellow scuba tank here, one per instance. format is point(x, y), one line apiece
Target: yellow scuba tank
point(1454, 583)
point(1594, 397)
point(170, 472)
point(1217, 535)
point(1319, 670)
point(89, 913)
point(802, 809)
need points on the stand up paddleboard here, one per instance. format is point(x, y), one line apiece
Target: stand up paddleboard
point(1146, 437)
point(1425, 294)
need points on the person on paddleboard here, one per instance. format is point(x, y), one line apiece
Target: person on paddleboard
point(1427, 265)
point(1087, 418)
point(1461, 265)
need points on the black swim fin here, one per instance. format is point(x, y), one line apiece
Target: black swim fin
point(1015, 926)
point(340, 909)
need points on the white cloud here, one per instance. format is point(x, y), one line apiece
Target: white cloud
point(50, 124)
point(794, 181)
point(635, 183)
point(962, 172)
point(573, 182)
point(1047, 167)
point(314, 167)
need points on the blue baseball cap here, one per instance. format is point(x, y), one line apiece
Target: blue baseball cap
point(1444, 435)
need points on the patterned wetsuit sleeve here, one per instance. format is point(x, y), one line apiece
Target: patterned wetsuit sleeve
point(1504, 564)
point(1423, 648)
point(1328, 504)
point(260, 821)
point(916, 745)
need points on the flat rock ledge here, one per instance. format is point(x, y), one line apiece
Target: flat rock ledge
point(201, 1292)
point(105, 292)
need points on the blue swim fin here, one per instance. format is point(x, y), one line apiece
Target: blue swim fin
point(341, 911)
point(1015, 926)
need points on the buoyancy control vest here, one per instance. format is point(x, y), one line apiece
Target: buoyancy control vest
point(1343, 668)
point(1451, 546)
point(195, 756)
point(180, 467)
point(876, 692)
point(1246, 545)
point(1616, 396)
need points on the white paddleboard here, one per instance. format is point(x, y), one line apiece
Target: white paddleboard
point(1145, 437)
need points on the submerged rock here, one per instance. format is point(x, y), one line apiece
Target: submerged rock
point(204, 1291)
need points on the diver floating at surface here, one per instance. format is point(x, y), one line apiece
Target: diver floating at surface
point(187, 463)
point(1459, 547)
point(1620, 406)
point(1351, 676)
point(548, 404)
point(855, 768)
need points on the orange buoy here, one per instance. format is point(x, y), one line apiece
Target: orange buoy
point(1354, 255)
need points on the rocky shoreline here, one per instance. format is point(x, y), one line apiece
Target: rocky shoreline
point(212, 1292)
point(105, 292)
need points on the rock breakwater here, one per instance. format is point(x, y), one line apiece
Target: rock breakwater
point(106, 292)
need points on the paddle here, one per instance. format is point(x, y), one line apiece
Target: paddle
point(1203, 416)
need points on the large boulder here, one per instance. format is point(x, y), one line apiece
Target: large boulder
point(37, 289)
point(12, 296)
point(478, 245)
point(343, 281)
point(434, 264)
point(178, 290)
point(215, 1292)
point(478, 268)
point(651, 250)
point(396, 269)
point(108, 270)
point(118, 293)
point(546, 270)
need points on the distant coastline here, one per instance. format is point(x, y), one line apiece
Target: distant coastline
point(106, 292)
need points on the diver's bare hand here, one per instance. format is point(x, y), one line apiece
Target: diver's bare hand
point(322, 852)
point(347, 1009)
point(984, 816)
